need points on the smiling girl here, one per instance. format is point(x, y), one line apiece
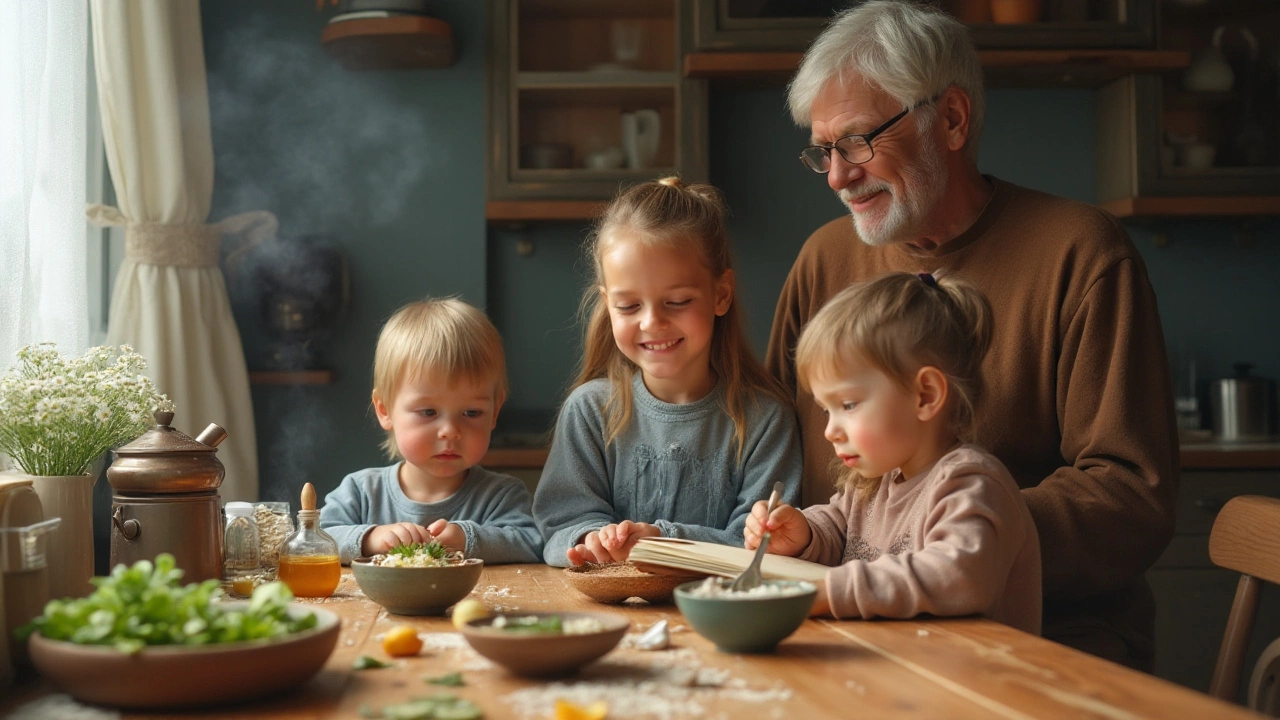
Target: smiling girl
point(673, 428)
point(921, 522)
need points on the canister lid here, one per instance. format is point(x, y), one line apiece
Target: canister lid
point(162, 438)
point(238, 509)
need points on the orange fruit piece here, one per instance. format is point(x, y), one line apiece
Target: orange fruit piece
point(402, 641)
point(568, 711)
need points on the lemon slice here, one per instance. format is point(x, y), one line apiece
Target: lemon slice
point(468, 610)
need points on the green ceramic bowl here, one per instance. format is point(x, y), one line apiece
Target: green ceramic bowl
point(416, 590)
point(747, 624)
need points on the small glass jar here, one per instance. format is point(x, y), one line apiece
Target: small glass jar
point(275, 525)
point(240, 546)
point(309, 562)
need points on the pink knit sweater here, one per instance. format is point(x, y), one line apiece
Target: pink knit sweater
point(955, 540)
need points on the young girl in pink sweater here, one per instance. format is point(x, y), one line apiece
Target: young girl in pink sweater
point(921, 522)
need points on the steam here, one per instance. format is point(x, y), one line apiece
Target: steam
point(296, 134)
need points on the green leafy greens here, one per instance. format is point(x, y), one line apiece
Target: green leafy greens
point(143, 605)
point(432, 549)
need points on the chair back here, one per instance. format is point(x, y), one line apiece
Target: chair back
point(1245, 538)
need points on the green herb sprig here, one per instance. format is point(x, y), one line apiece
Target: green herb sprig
point(145, 604)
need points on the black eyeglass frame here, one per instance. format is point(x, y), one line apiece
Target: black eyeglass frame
point(866, 137)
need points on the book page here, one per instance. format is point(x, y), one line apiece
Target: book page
point(722, 560)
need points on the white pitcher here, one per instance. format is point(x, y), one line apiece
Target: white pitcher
point(641, 131)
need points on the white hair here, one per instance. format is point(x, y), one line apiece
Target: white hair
point(910, 51)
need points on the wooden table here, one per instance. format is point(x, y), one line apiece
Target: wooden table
point(952, 668)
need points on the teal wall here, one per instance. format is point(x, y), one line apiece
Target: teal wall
point(391, 165)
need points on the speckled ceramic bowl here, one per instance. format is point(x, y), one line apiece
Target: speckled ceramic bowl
point(416, 590)
point(747, 624)
point(542, 655)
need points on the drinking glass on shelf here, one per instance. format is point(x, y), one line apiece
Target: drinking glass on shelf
point(627, 38)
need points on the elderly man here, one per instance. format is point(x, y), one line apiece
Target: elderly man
point(1079, 401)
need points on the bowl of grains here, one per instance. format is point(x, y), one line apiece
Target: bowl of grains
point(545, 644)
point(615, 582)
point(751, 621)
point(417, 579)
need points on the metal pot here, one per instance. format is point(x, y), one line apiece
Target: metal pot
point(163, 460)
point(1242, 408)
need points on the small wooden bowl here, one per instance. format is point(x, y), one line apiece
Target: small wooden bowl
point(615, 582)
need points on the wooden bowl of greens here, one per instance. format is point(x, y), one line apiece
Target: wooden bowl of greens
point(417, 579)
point(143, 642)
point(545, 644)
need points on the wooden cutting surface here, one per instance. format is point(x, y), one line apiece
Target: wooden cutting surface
point(930, 668)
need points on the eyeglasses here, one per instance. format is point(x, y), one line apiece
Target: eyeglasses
point(856, 148)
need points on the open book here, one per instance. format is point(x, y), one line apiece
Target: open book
point(664, 554)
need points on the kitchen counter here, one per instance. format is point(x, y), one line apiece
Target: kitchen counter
point(1197, 456)
point(929, 667)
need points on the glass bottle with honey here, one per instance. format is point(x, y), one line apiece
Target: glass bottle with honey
point(309, 562)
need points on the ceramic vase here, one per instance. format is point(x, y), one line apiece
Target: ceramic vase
point(70, 547)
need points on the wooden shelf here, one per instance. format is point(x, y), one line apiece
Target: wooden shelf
point(512, 457)
point(535, 210)
point(301, 377)
point(405, 42)
point(593, 80)
point(1214, 456)
point(1004, 68)
point(1205, 206)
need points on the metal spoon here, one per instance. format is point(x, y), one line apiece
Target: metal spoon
point(751, 577)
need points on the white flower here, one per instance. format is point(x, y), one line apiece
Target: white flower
point(57, 415)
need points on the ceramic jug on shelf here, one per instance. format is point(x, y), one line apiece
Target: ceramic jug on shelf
point(641, 131)
point(1210, 71)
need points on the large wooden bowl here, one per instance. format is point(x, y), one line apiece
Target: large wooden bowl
point(615, 582)
point(165, 677)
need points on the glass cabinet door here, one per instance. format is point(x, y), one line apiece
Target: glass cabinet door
point(586, 95)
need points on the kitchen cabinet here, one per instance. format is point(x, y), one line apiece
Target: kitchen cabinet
point(1204, 132)
point(1193, 596)
point(744, 25)
point(586, 96)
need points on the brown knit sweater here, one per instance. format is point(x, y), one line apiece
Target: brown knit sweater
point(1079, 401)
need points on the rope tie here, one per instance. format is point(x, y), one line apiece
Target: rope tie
point(181, 245)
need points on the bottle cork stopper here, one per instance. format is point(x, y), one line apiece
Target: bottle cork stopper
point(308, 497)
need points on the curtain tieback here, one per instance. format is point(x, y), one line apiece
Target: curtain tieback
point(182, 245)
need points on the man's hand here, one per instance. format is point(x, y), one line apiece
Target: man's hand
point(384, 537)
point(448, 534)
point(788, 529)
point(611, 543)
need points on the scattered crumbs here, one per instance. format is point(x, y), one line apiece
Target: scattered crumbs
point(922, 633)
point(635, 601)
point(636, 684)
point(350, 642)
point(856, 687)
point(59, 707)
point(519, 572)
point(495, 591)
point(443, 641)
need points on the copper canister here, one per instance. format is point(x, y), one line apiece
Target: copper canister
point(166, 499)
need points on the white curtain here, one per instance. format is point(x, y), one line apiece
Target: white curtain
point(170, 299)
point(43, 236)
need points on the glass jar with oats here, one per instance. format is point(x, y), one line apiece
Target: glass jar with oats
point(275, 525)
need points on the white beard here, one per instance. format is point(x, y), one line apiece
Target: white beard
point(924, 181)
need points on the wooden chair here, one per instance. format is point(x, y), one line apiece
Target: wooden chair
point(1245, 538)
